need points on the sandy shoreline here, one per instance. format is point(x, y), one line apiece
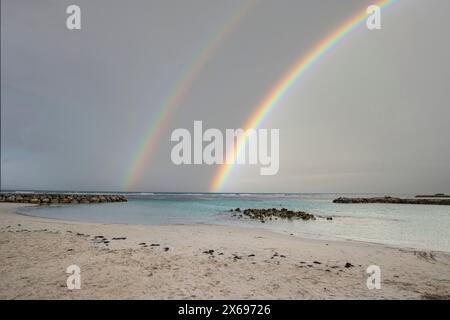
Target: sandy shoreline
point(175, 262)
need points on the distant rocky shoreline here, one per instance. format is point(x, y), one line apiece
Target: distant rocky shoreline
point(53, 198)
point(436, 195)
point(417, 200)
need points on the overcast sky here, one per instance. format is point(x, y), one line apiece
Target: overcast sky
point(371, 116)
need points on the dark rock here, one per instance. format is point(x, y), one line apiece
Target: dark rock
point(436, 195)
point(387, 199)
point(274, 214)
point(45, 199)
point(348, 265)
point(94, 200)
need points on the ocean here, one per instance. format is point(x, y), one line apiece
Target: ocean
point(425, 227)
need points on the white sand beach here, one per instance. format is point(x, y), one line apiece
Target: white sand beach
point(175, 262)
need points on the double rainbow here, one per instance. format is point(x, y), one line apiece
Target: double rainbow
point(178, 93)
point(280, 90)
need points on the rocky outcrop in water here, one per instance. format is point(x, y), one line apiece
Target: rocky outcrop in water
point(393, 200)
point(436, 195)
point(275, 214)
point(53, 198)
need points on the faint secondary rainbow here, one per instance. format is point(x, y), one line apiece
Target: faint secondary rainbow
point(288, 80)
point(178, 92)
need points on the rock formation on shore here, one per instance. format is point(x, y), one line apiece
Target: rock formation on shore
point(393, 200)
point(53, 198)
point(274, 214)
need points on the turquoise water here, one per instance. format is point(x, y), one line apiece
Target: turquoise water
point(413, 226)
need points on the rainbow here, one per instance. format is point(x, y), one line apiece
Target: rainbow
point(280, 90)
point(178, 93)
